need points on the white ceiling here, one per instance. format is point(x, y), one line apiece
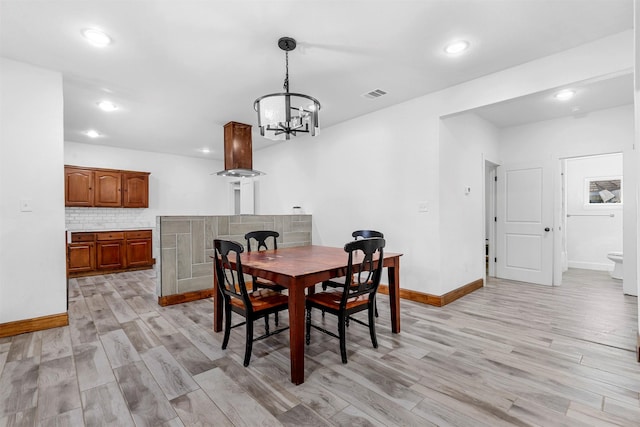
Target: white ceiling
point(589, 96)
point(180, 70)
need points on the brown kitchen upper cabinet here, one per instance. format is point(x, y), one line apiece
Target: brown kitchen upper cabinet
point(108, 193)
point(136, 190)
point(78, 186)
point(89, 187)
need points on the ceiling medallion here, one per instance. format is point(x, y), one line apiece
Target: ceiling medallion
point(281, 115)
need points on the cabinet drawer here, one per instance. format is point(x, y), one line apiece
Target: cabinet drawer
point(110, 235)
point(83, 237)
point(138, 234)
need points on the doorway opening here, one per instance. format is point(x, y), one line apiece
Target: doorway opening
point(592, 210)
point(490, 169)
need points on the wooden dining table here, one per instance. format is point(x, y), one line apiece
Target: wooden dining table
point(299, 268)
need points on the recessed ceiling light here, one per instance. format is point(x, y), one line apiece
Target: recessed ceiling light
point(107, 106)
point(565, 95)
point(456, 47)
point(92, 133)
point(96, 37)
point(205, 150)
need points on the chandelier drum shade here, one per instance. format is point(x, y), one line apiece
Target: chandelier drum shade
point(281, 115)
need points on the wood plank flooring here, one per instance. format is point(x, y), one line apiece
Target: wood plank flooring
point(509, 354)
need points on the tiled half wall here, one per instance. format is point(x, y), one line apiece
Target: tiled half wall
point(186, 244)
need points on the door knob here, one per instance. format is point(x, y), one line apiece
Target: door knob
point(547, 229)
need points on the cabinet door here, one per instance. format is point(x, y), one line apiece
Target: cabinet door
point(78, 187)
point(136, 190)
point(138, 252)
point(108, 191)
point(81, 257)
point(110, 255)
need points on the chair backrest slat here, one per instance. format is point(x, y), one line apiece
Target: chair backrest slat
point(366, 234)
point(230, 280)
point(260, 238)
point(363, 275)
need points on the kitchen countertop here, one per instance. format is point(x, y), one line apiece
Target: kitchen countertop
point(103, 229)
point(106, 229)
point(69, 231)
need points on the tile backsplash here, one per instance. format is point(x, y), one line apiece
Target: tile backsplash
point(78, 219)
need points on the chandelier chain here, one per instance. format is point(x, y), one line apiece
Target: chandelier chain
point(286, 79)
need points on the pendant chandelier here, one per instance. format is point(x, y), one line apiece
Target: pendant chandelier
point(281, 115)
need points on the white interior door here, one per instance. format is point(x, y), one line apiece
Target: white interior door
point(525, 223)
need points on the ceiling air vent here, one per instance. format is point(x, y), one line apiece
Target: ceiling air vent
point(374, 94)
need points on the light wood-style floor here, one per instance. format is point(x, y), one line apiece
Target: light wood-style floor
point(510, 354)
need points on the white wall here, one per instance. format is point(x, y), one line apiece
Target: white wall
point(600, 132)
point(465, 142)
point(178, 185)
point(592, 231)
point(32, 246)
point(369, 172)
point(373, 171)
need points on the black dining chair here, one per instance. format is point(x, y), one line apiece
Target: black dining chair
point(339, 282)
point(259, 240)
point(358, 294)
point(252, 306)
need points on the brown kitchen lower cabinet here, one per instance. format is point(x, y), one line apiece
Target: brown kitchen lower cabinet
point(138, 252)
point(110, 255)
point(82, 257)
point(109, 252)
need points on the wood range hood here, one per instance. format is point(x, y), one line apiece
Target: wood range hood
point(238, 151)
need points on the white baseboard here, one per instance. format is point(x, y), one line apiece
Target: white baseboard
point(591, 265)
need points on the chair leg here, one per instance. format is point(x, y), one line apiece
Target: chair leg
point(341, 334)
point(266, 324)
point(308, 337)
point(375, 306)
point(227, 325)
point(249, 343)
point(372, 325)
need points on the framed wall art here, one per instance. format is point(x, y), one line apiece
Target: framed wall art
point(603, 191)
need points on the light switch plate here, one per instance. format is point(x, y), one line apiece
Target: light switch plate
point(25, 205)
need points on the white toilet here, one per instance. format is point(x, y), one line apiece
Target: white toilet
point(616, 257)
